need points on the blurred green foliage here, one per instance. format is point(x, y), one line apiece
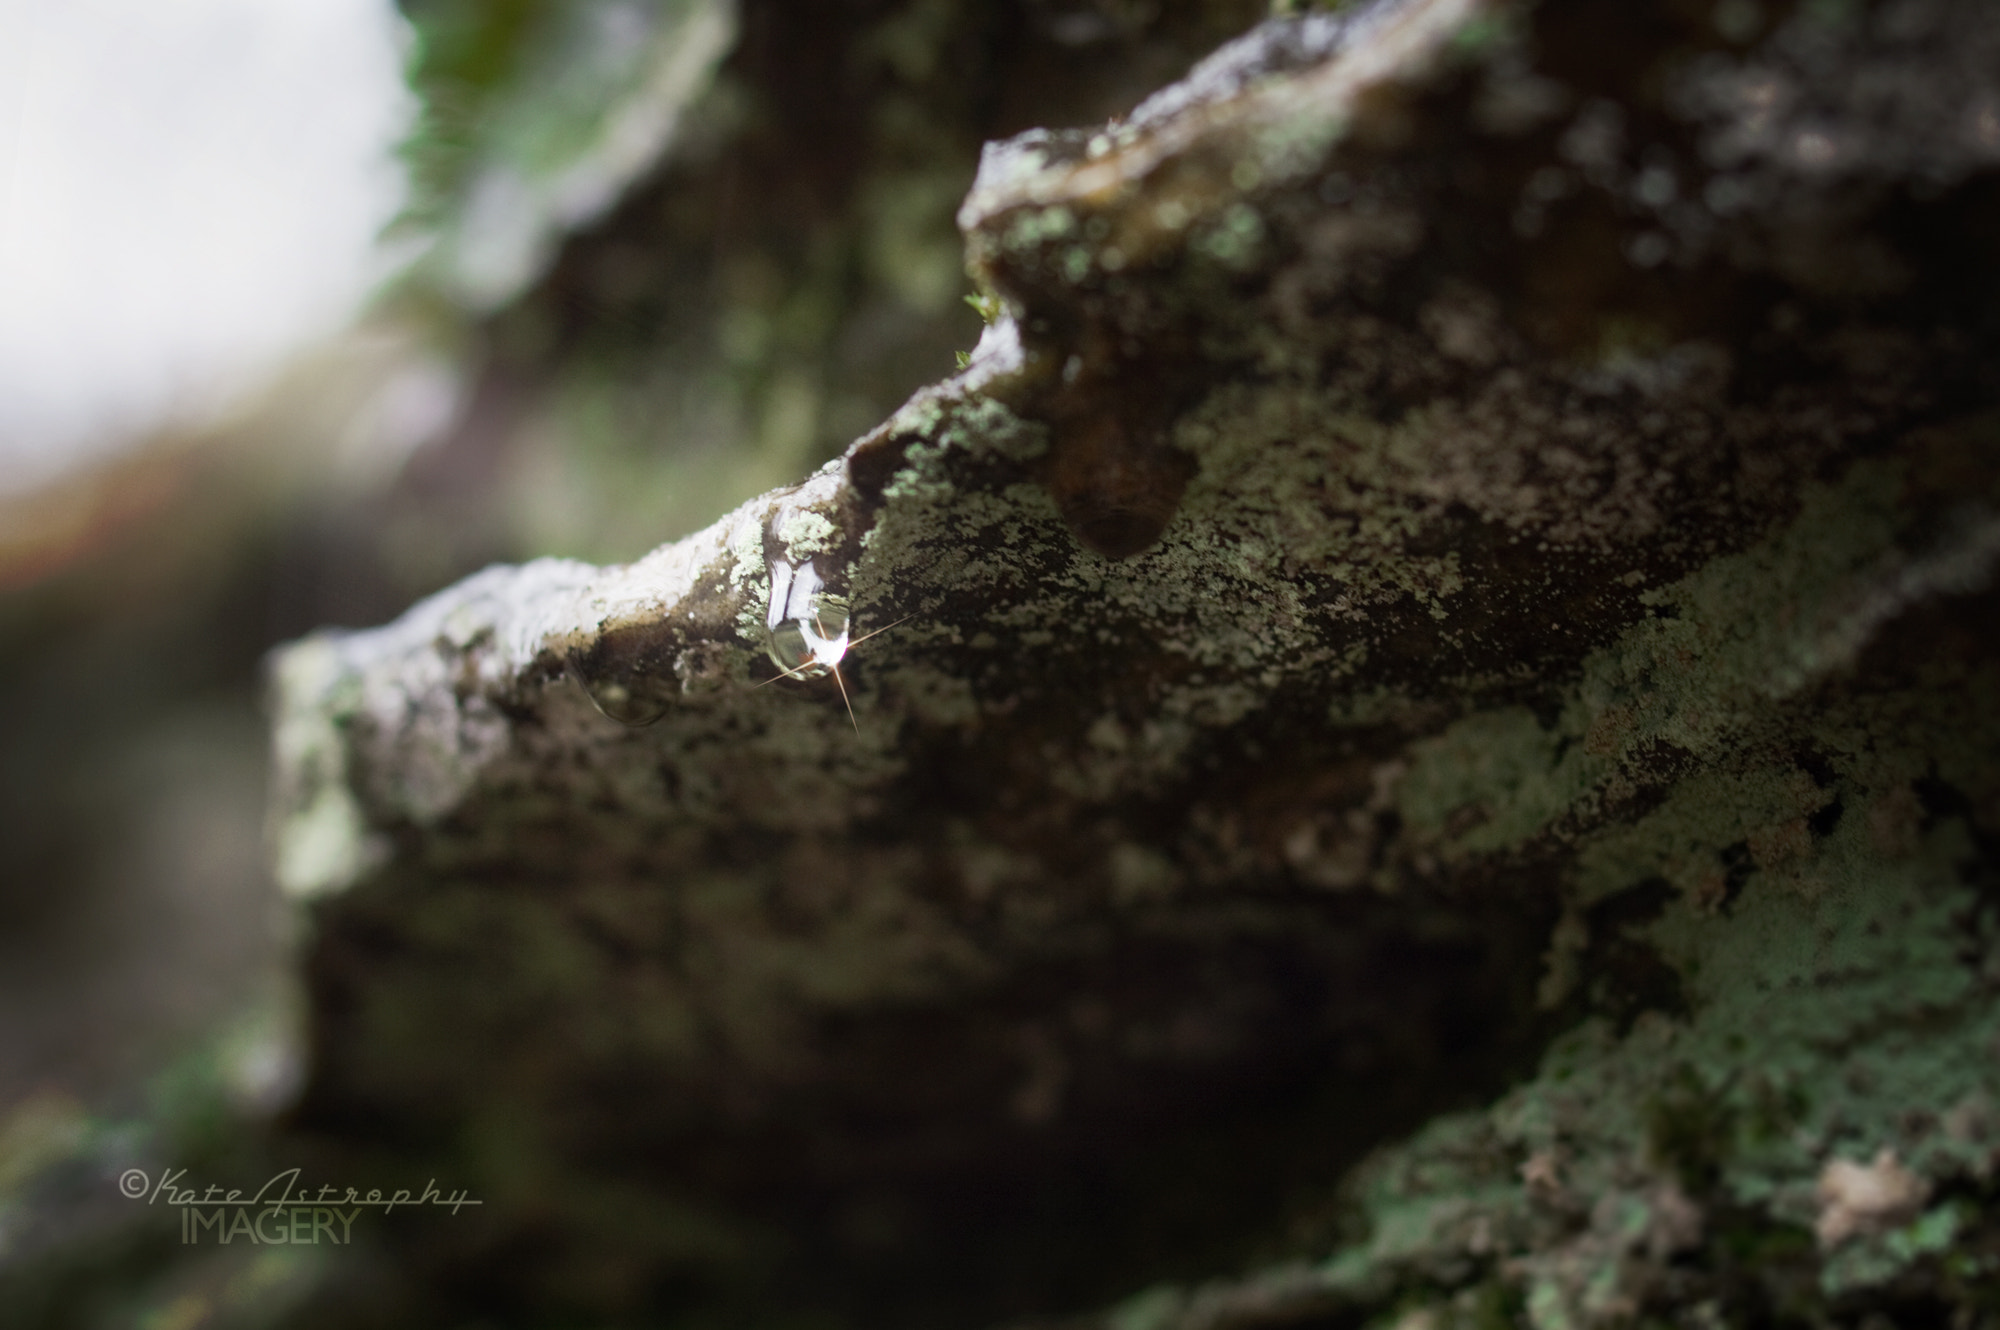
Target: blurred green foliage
point(647, 339)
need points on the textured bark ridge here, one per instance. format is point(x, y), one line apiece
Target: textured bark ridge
point(1459, 574)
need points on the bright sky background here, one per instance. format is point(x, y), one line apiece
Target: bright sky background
point(189, 191)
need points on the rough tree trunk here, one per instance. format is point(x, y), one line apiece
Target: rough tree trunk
point(1430, 752)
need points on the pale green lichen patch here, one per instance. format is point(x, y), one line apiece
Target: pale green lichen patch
point(323, 843)
point(1498, 770)
point(1649, 1148)
point(749, 572)
point(1033, 229)
point(1746, 629)
point(805, 533)
point(1837, 1010)
point(1234, 238)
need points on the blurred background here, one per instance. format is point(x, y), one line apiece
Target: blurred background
point(309, 309)
point(193, 203)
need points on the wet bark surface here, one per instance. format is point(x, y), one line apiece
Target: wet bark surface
point(1429, 751)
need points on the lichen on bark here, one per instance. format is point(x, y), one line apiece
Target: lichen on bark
point(1460, 574)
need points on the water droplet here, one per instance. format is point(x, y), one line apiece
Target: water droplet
point(624, 703)
point(806, 626)
point(624, 678)
point(1117, 491)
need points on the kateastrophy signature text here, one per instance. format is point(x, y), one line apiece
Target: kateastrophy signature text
point(282, 1212)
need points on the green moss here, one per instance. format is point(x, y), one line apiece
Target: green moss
point(536, 115)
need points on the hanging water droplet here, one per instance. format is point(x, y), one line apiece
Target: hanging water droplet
point(806, 625)
point(624, 703)
point(621, 674)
